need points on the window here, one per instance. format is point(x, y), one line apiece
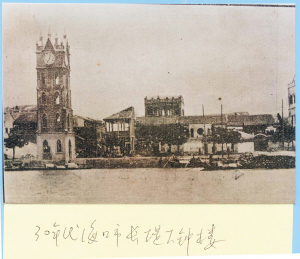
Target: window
point(57, 119)
point(70, 149)
point(6, 130)
point(56, 97)
point(294, 98)
point(192, 133)
point(115, 127)
point(46, 148)
point(44, 98)
point(44, 121)
point(58, 146)
point(68, 121)
point(200, 131)
point(43, 79)
point(56, 76)
point(291, 99)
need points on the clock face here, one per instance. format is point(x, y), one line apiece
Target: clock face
point(49, 58)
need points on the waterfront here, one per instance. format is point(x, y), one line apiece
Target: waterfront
point(150, 186)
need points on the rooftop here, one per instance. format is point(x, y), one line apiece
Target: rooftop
point(124, 114)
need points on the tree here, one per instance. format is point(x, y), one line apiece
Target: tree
point(285, 132)
point(223, 135)
point(15, 139)
point(170, 134)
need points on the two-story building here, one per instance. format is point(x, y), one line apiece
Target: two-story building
point(120, 132)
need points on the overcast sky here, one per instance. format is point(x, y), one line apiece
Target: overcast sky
point(122, 53)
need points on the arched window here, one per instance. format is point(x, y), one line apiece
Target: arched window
point(68, 121)
point(192, 133)
point(44, 121)
point(57, 119)
point(56, 97)
point(70, 149)
point(58, 146)
point(46, 148)
point(43, 98)
point(56, 78)
point(43, 79)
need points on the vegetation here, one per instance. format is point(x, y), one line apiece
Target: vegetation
point(171, 134)
point(15, 139)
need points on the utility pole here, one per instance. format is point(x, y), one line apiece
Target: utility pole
point(282, 126)
point(205, 144)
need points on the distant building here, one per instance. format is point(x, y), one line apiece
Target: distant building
point(292, 102)
point(11, 114)
point(120, 132)
point(24, 120)
point(164, 106)
point(89, 134)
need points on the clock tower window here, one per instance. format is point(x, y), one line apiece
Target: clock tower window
point(43, 79)
point(44, 98)
point(58, 146)
point(56, 98)
point(68, 122)
point(56, 76)
point(46, 147)
point(44, 121)
point(57, 118)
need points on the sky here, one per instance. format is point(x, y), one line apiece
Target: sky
point(120, 54)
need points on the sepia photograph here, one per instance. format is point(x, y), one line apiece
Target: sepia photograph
point(148, 104)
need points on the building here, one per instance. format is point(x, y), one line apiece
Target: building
point(23, 119)
point(164, 114)
point(120, 132)
point(11, 114)
point(89, 134)
point(292, 102)
point(55, 136)
point(164, 106)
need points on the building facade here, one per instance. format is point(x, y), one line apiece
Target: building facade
point(292, 102)
point(164, 106)
point(89, 134)
point(120, 132)
point(55, 136)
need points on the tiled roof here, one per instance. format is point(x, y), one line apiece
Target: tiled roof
point(209, 119)
point(230, 120)
point(181, 119)
point(125, 114)
point(28, 117)
point(261, 119)
point(87, 118)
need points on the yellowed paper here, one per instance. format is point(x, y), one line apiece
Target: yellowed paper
point(92, 231)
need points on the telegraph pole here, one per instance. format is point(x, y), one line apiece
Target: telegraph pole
point(205, 140)
point(282, 126)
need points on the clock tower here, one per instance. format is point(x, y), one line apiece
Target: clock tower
point(55, 136)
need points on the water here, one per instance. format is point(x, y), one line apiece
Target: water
point(150, 186)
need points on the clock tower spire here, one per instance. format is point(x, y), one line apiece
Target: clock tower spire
point(55, 136)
